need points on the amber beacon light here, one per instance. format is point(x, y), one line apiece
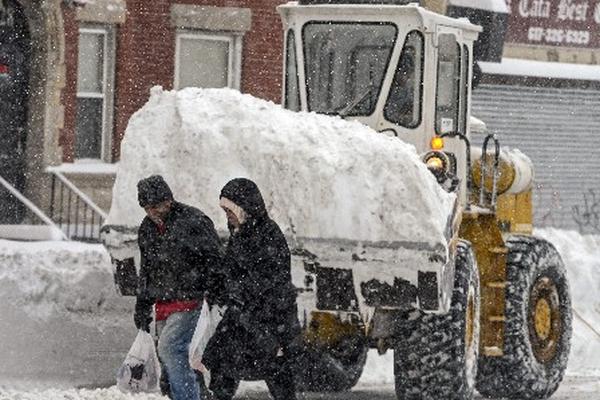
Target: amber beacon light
point(437, 143)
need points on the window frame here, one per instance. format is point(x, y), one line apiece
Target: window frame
point(418, 123)
point(307, 75)
point(438, 126)
point(465, 87)
point(291, 50)
point(108, 76)
point(235, 53)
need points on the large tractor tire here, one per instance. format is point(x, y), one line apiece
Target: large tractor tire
point(437, 357)
point(334, 369)
point(538, 325)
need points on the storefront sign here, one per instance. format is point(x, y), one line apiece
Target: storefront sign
point(571, 23)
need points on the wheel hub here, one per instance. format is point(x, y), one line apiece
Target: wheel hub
point(544, 319)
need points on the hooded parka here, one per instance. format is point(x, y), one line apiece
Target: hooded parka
point(253, 339)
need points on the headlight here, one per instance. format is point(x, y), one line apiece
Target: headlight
point(438, 163)
point(435, 163)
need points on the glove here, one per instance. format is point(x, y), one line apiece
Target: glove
point(142, 316)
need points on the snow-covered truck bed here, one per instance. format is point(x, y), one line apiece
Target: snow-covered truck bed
point(346, 196)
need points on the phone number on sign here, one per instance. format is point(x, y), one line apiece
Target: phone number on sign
point(558, 36)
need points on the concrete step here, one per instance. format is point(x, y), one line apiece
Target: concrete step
point(30, 232)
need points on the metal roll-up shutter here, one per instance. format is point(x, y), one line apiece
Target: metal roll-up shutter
point(559, 129)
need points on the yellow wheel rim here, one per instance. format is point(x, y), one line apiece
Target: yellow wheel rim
point(545, 322)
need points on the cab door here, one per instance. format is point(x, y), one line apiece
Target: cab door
point(14, 93)
point(452, 93)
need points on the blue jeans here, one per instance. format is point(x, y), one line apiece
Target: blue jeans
point(173, 349)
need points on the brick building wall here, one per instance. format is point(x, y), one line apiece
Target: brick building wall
point(69, 93)
point(145, 51)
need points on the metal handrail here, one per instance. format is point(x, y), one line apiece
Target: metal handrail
point(32, 207)
point(484, 155)
point(85, 198)
point(78, 204)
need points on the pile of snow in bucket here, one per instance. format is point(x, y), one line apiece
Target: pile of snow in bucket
point(321, 176)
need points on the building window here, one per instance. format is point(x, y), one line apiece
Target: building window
point(95, 74)
point(207, 60)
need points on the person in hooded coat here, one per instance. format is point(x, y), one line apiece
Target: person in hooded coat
point(254, 339)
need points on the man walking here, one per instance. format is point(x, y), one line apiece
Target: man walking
point(180, 251)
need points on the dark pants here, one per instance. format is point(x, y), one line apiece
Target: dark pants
point(280, 382)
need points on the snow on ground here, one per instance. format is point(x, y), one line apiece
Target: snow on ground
point(321, 176)
point(62, 325)
point(61, 320)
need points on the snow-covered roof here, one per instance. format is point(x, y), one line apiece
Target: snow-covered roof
point(498, 6)
point(542, 69)
point(321, 176)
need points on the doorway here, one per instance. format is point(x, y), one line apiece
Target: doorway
point(15, 55)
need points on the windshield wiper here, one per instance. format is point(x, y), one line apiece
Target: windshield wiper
point(346, 110)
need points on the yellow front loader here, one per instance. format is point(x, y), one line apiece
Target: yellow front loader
point(495, 314)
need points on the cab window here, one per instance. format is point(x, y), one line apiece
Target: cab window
point(345, 64)
point(448, 79)
point(403, 105)
point(464, 85)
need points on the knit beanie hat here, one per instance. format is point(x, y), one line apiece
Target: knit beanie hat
point(153, 190)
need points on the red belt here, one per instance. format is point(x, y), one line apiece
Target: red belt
point(164, 309)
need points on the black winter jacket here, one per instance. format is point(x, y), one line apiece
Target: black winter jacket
point(262, 314)
point(179, 264)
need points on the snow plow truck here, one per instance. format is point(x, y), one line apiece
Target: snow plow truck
point(488, 309)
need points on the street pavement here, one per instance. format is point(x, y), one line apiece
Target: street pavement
point(572, 388)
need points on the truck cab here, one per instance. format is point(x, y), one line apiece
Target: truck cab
point(405, 71)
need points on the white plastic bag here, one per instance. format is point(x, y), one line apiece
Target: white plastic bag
point(207, 324)
point(140, 371)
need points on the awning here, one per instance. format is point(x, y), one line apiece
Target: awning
point(542, 69)
point(497, 6)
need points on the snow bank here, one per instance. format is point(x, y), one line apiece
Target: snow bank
point(61, 319)
point(322, 177)
point(56, 277)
